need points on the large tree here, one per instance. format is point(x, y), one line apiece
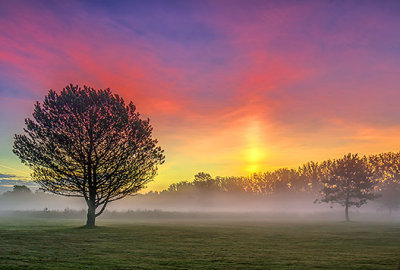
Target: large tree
point(88, 143)
point(348, 181)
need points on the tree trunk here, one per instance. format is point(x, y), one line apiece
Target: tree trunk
point(347, 212)
point(91, 217)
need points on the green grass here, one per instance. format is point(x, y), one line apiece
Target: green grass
point(61, 244)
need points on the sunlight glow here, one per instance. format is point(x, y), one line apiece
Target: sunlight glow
point(254, 153)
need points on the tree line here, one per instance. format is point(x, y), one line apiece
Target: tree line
point(350, 181)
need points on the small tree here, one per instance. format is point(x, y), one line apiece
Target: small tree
point(88, 143)
point(390, 196)
point(204, 182)
point(347, 181)
point(387, 171)
point(19, 190)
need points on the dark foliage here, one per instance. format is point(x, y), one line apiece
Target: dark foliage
point(19, 190)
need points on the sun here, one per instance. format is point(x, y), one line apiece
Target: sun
point(254, 151)
point(254, 155)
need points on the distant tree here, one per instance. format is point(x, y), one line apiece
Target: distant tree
point(233, 184)
point(279, 181)
point(204, 182)
point(88, 143)
point(387, 170)
point(261, 183)
point(348, 182)
point(386, 166)
point(19, 190)
point(182, 186)
point(390, 196)
point(310, 175)
point(286, 180)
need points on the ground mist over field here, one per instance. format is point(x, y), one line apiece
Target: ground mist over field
point(209, 230)
point(198, 206)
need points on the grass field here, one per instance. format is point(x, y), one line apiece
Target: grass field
point(60, 244)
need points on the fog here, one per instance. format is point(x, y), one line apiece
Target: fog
point(248, 206)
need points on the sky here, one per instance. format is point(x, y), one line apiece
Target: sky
point(230, 87)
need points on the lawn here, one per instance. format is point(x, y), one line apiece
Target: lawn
point(35, 243)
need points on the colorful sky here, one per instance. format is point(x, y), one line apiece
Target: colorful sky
point(231, 87)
